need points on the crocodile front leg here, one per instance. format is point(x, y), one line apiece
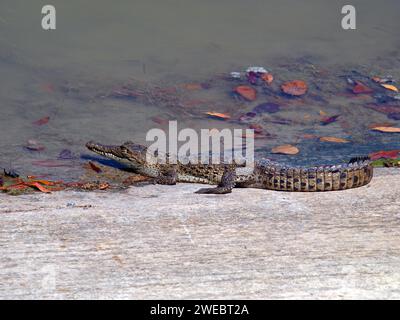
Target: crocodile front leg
point(225, 186)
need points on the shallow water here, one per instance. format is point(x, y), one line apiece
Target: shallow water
point(69, 74)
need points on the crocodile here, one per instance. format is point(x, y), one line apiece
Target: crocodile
point(265, 174)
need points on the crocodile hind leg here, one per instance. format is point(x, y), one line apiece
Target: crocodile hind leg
point(225, 186)
point(168, 177)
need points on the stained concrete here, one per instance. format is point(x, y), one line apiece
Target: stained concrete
point(167, 242)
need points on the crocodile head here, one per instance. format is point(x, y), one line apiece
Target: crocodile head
point(129, 153)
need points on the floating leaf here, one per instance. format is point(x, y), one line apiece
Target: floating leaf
point(66, 155)
point(361, 88)
point(52, 163)
point(219, 116)
point(387, 129)
point(286, 149)
point(41, 121)
point(391, 154)
point(390, 87)
point(267, 78)
point(193, 86)
point(328, 120)
point(33, 145)
point(94, 167)
point(294, 88)
point(159, 120)
point(381, 124)
point(333, 139)
point(268, 107)
point(246, 92)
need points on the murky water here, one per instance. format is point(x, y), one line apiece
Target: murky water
point(176, 55)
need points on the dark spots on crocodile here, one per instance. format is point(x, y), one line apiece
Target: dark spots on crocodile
point(296, 180)
point(343, 175)
point(319, 180)
point(327, 185)
point(275, 181)
point(342, 185)
point(355, 179)
point(303, 184)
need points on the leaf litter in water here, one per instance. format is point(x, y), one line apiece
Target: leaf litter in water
point(333, 139)
point(217, 115)
point(246, 92)
point(327, 120)
point(390, 154)
point(41, 121)
point(268, 107)
point(390, 87)
point(286, 149)
point(294, 88)
point(361, 88)
point(387, 129)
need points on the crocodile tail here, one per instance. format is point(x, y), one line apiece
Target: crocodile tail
point(355, 174)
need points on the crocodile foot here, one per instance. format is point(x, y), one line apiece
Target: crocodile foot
point(225, 186)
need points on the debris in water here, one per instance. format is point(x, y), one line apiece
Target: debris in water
point(333, 139)
point(286, 149)
point(387, 129)
point(294, 88)
point(246, 92)
point(41, 121)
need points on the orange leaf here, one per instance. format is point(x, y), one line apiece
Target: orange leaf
point(38, 186)
point(192, 86)
point(267, 77)
point(386, 129)
point(218, 115)
point(246, 92)
point(286, 149)
point(390, 87)
point(294, 88)
point(333, 139)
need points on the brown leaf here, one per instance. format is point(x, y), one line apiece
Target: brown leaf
point(361, 88)
point(333, 139)
point(294, 88)
point(246, 92)
point(387, 129)
point(286, 149)
point(94, 167)
point(41, 121)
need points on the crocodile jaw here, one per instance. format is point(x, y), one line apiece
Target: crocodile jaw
point(111, 152)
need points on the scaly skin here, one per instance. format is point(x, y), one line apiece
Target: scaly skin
point(265, 175)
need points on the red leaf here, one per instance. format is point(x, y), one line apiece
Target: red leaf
point(361, 88)
point(391, 154)
point(41, 121)
point(94, 167)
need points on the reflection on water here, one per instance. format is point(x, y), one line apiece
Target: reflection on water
point(175, 56)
